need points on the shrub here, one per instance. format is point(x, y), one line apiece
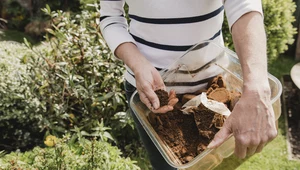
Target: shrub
point(278, 19)
point(65, 155)
point(72, 80)
point(20, 13)
point(18, 104)
point(16, 15)
point(77, 78)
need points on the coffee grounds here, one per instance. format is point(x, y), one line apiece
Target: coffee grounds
point(163, 97)
point(188, 135)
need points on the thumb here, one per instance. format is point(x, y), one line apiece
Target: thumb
point(221, 136)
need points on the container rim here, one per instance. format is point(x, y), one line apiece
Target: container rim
point(207, 151)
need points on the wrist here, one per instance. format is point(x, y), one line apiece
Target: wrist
point(131, 56)
point(138, 64)
point(257, 76)
point(259, 88)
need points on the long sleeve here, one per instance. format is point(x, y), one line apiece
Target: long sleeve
point(234, 9)
point(113, 24)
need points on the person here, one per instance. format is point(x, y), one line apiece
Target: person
point(161, 31)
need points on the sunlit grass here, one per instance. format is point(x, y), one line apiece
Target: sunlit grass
point(282, 66)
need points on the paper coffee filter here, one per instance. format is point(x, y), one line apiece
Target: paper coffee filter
point(213, 105)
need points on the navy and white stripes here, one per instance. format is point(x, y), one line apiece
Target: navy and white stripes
point(169, 47)
point(164, 30)
point(186, 20)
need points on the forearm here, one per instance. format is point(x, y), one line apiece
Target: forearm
point(131, 56)
point(250, 43)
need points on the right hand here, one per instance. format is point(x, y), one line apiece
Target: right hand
point(148, 80)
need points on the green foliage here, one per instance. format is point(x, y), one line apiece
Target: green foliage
point(76, 77)
point(26, 15)
point(85, 4)
point(17, 15)
point(71, 81)
point(18, 103)
point(278, 19)
point(66, 155)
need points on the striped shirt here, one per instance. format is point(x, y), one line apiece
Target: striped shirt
point(163, 30)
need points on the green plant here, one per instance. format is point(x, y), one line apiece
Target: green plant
point(77, 78)
point(18, 103)
point(67, 155)
point(17, 15)
point(3, 23)
point(278, 19)
point(26, 15)
point(72, 80)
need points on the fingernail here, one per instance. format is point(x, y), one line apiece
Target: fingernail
point(211, 144)
point(155, 105)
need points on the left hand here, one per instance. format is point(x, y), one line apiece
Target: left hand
point(252, 122)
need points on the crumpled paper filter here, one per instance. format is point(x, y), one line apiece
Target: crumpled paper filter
point(213, 105)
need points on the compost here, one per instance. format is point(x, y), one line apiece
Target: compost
point(188, 135)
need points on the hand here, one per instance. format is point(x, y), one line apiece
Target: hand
point(172, 101)
point(148, 80)
point(252, 123)
point(147, 77)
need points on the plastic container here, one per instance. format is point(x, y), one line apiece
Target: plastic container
point(221, 61)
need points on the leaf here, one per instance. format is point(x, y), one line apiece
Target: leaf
point(2, 153)
point(44, 86)
point(59, 129)
point(48, 9)
point(61, 76)
point(105, 97)
point(49, 30)
point(84, 133)
point(108, 135)
point(27, 43)
point(61, 63)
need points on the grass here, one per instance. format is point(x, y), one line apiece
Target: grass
point(275, 155)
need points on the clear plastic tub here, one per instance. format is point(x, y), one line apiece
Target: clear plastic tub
point(221, 61)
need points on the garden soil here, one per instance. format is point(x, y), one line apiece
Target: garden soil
point(187, 135)
point(291, 95)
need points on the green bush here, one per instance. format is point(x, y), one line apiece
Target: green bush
point(24, 15)
point(65, 155)
point(278, 19)
point(16, 15)
point(18, 103)
point(77, 78)
point(72, 80)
